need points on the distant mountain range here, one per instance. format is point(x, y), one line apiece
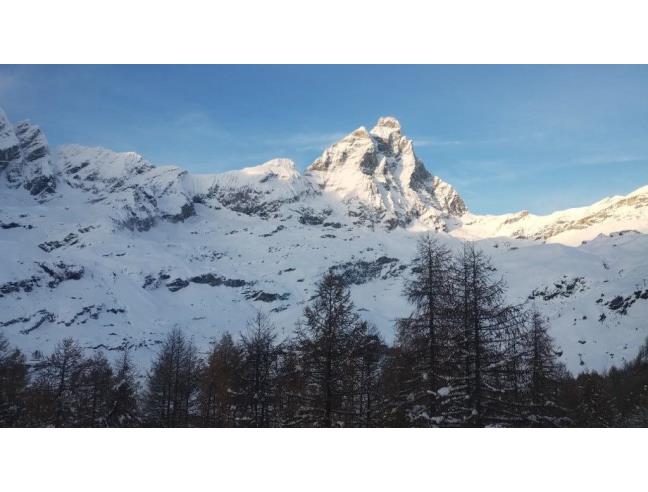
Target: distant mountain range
point(112, 250)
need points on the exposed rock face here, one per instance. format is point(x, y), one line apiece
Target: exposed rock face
point(60, 272)
point(563, 288)
point(261, 296)
point(378, 172)
point(622, 304)
point(10, 152)
point(25, 285)
point(25, 158)
point(55, 274)
point(69, 240)
point(308, 216)
point(362, 271)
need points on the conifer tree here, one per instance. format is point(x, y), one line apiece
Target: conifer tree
point(95, 392)
point(325, 341)
point(425, 338)
point(595, 404)
point(173, 382)
point(289, 388)
point(14, 378)
point(220, 383)
point(56, 392)
point(259, 371)
point(544, 373)
point(367, 374)
point(124, 411)
point(488, 336)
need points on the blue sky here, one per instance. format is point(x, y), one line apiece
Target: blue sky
point(507, 137)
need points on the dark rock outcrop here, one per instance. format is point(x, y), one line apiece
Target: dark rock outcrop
point(262, 296)
point(362, 271)
point(60, 272)
point(563, 288)
point(68, 240)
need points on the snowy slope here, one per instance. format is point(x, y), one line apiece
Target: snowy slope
point(117, 251)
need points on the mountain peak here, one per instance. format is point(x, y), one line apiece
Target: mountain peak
point(8, 137)
point(386, 126)
point(25, 158)
point(379, 171)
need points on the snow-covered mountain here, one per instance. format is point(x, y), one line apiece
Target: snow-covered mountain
point(379, 178)
point(112, 250)
point(571, 226)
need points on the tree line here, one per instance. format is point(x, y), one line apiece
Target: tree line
point(464, 357)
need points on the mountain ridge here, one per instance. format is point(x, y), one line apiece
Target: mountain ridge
point(375, 174)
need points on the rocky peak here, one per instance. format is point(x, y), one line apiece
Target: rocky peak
point(386, 128)
point(379, 171)
point(7, 134)
point(9, 145)
point(25, 158)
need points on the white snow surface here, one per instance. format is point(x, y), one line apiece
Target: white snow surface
point(123, 251)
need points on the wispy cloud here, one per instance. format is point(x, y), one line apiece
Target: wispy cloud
point(470, 181)
point(501, 140)
point(305, 141)
point(201, 123)
point(434, 142)
point(473, 174)
point(608, 159)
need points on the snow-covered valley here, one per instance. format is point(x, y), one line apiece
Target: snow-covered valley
point(114, 251)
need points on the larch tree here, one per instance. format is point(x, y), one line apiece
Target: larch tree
point(425, 338)
point(220, 385)
point(367, 377)
point(259, 371)
point(325, 341)
point(95, 392)
point(173, 382)
point(125, 407)
point(14, 378)
point(545, 373)
point(290, 386)
point(488, 338)
point(58, 384)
